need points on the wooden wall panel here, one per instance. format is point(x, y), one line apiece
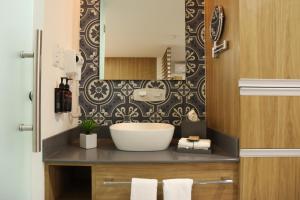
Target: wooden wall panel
point(222, 73)
point(270, 179)
point(130, 68)
point(124, 172)
point(270, 122)
point(269, 34)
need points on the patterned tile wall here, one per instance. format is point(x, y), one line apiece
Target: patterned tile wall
point(110, 102)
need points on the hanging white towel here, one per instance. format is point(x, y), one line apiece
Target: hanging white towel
point(143, 189)
point(177, 189)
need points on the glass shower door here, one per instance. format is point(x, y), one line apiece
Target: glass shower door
point(16, 82)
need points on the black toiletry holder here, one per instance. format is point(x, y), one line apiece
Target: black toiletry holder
point(63, 97)
point(190, 128)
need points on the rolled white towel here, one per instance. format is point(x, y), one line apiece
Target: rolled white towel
point(202, 144)
point(178, 189)
point(185, 143)
point(145, 189)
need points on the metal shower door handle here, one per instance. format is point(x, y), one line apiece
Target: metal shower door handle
point(37, 72)
point(36, 97)
point(24, 127)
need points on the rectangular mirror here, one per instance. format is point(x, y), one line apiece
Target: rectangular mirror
point(142, 40)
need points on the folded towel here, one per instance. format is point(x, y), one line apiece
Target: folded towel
point(177, 189)
point(201, 144)
point(185, 143)
point(143, 189)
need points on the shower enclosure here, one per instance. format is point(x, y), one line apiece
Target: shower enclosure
point(20, 97)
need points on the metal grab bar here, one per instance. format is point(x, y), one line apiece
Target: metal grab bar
point(196, 182)
point(37, 72)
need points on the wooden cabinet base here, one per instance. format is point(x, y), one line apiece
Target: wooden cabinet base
point(87, 182)
point(123, 172)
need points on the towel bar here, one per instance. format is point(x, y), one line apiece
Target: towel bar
point(196, 182)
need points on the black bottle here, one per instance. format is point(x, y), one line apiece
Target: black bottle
point(58, 107)
point(67, 97)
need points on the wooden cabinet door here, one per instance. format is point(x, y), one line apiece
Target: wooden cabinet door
point(270, 122)
point(270, 179)
point(269, 39)
point(204, 171)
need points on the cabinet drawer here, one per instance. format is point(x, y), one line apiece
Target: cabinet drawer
point(270, 122)
point(270, 178)
point(124, 172)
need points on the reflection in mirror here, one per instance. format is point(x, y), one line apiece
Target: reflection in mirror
point(142, 40)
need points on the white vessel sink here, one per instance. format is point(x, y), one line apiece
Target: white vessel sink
point(142, 136)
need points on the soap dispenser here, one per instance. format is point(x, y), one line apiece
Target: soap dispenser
point(67, 97)
point(58, 107)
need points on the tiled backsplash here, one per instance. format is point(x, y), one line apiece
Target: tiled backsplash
point(109, 102)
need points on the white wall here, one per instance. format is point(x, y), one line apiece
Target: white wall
point(59, 20)
point(60, 29)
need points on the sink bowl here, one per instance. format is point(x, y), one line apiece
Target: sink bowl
point(142, 136)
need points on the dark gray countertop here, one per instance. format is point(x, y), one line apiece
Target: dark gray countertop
point(64, 148)
point(109, 154)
